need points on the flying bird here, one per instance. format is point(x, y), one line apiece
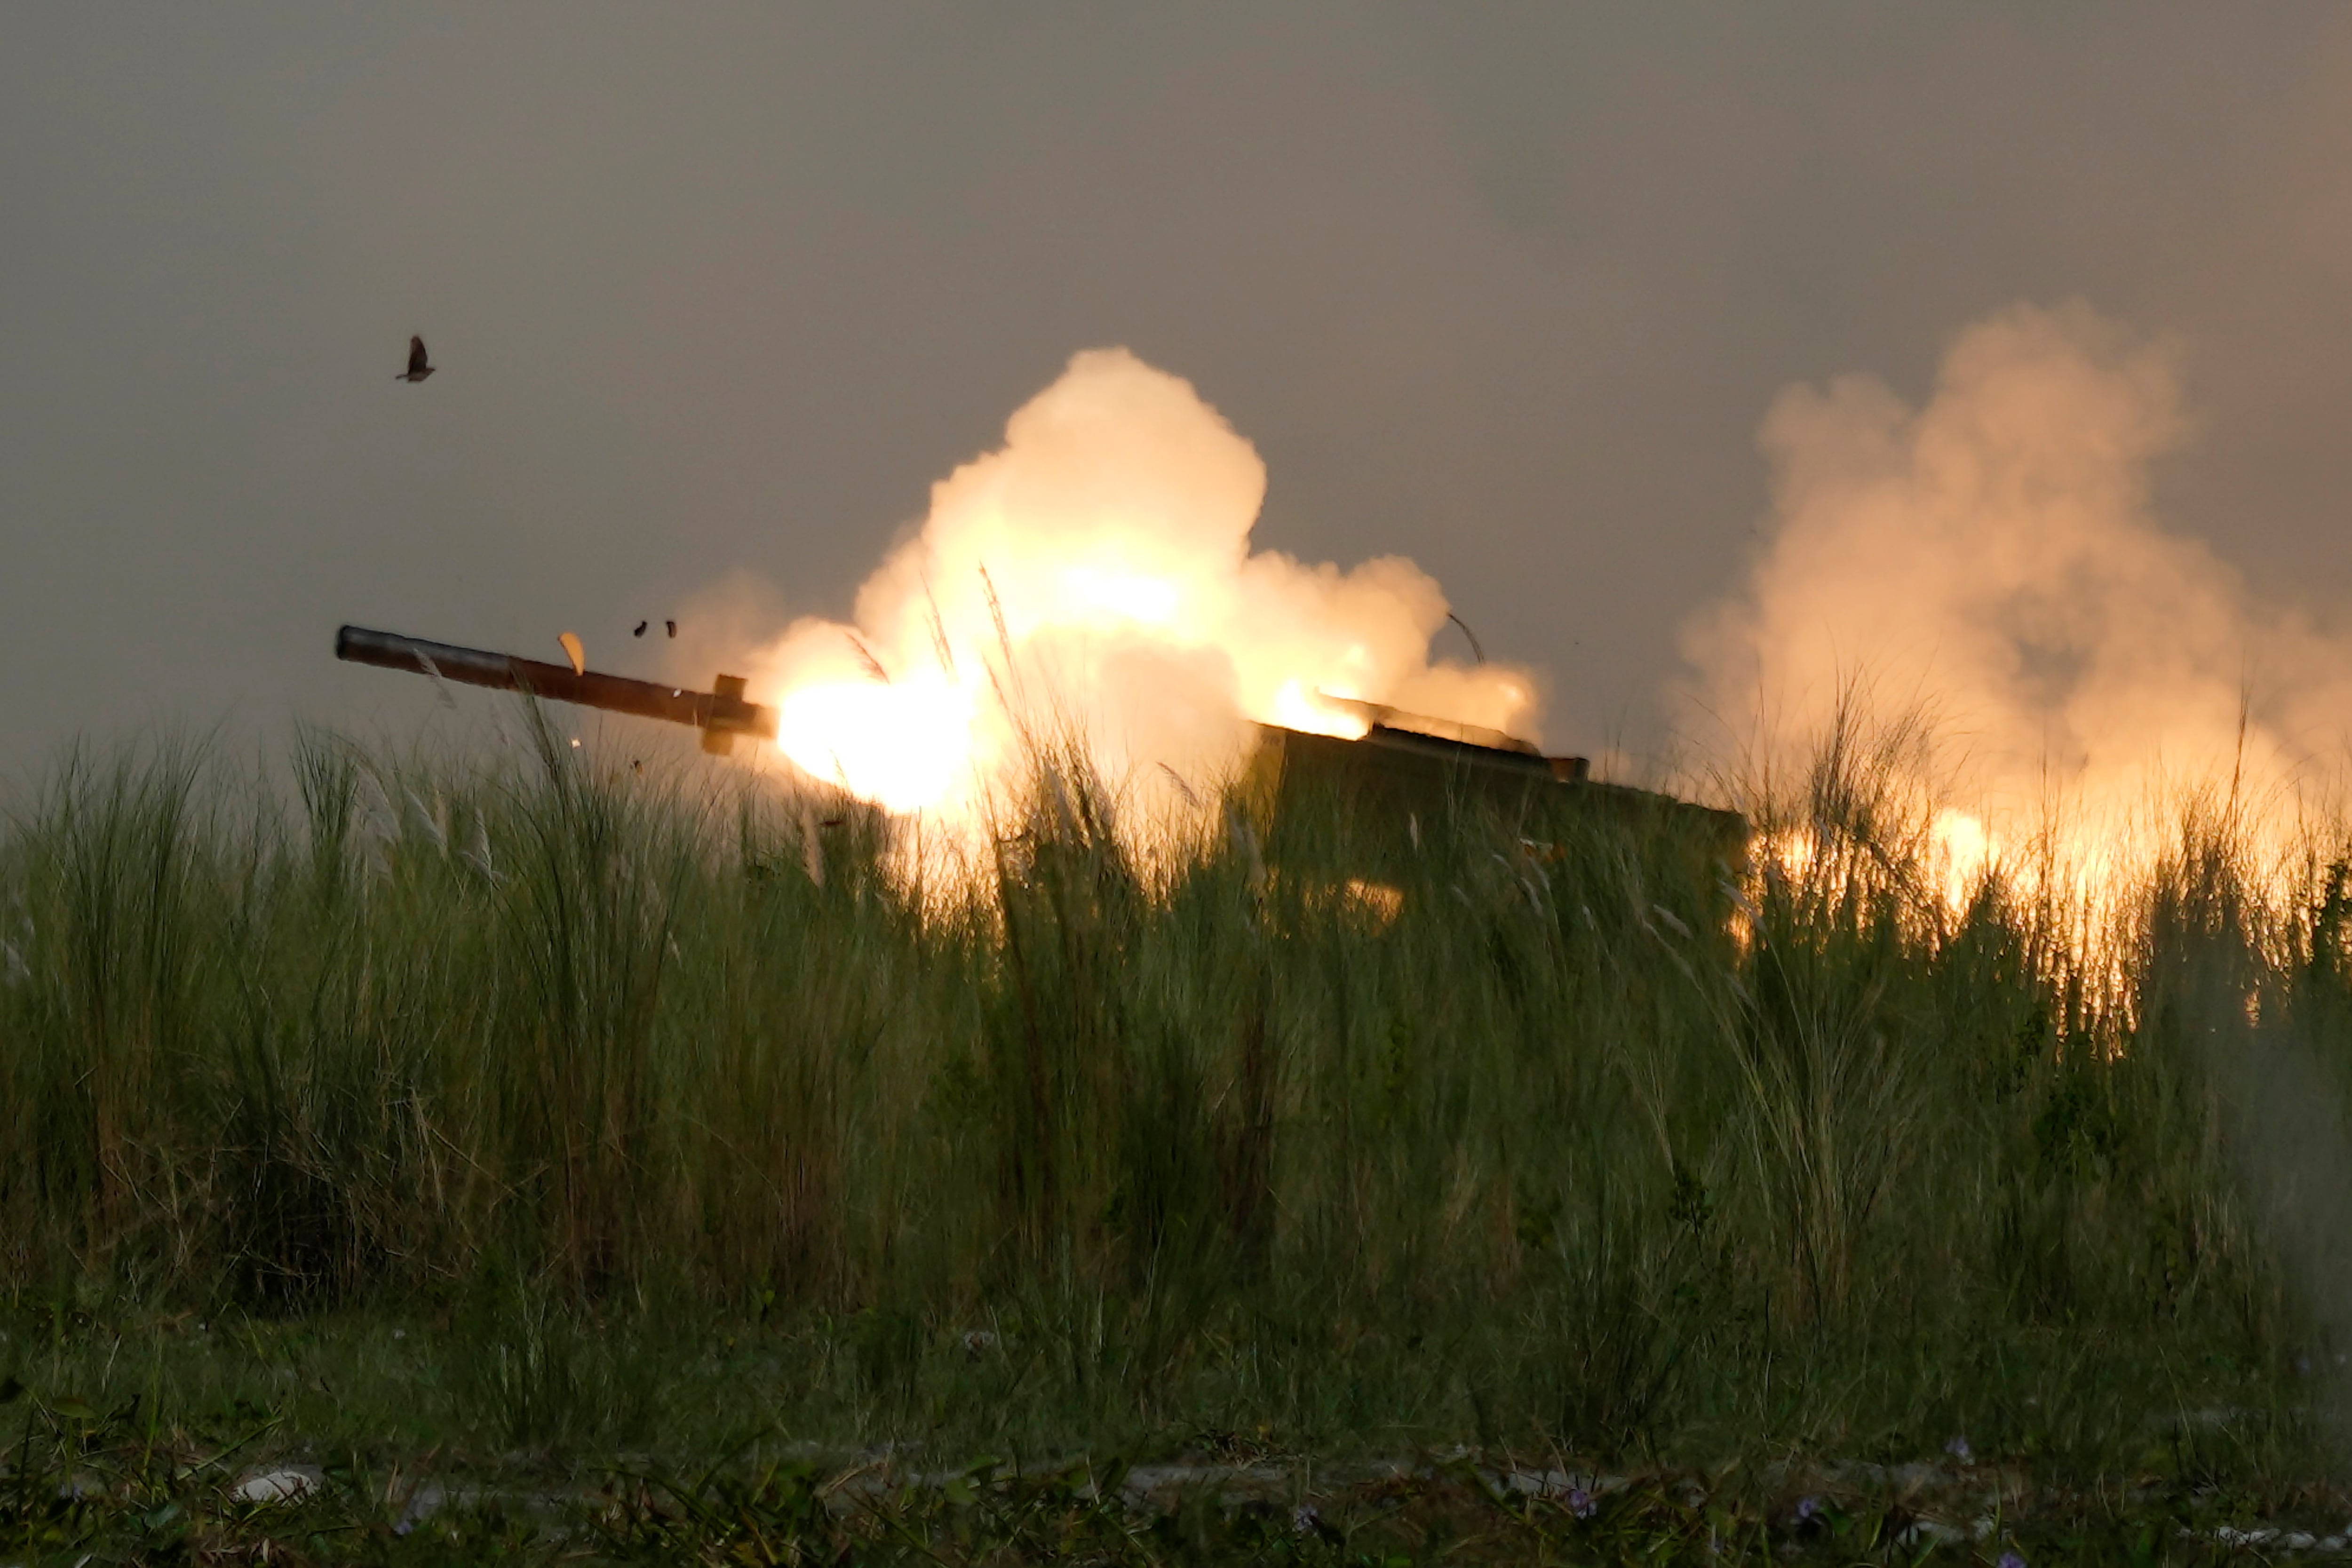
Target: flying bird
point(417, 368)
point(640, 631)
point(672, 625)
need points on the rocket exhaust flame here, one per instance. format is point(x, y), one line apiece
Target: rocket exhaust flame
point(1093, 576)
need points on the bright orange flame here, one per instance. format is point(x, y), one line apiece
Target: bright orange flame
point(898, 746)
point(1093, 577)
point(1297, 708)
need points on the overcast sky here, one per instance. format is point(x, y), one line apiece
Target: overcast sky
point(715, 290)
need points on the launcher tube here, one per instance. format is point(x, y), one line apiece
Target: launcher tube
point(718, 713)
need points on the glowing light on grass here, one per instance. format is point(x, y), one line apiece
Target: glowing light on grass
point(1963, 851)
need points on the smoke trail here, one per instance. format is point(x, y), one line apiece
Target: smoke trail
point(1993, 560)
point(1095, 574)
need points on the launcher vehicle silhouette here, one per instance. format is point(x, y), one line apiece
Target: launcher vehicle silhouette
point(1404, 771)
point(1379, 791)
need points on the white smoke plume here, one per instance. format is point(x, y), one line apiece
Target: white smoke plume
point(1992, 560)
point(1094, 574)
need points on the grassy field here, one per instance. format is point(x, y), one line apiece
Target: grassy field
point(637, 1150)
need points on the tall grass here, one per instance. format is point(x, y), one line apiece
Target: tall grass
point(660, 1103)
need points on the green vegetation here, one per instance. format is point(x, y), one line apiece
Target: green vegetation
point(568, 1128)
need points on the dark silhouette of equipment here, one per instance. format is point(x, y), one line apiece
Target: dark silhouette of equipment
point(1366, 801)
point(1375, 792)
point(720, 713)
point(418, 369)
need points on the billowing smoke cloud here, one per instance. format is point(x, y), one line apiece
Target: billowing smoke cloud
point(1094, 575)
point(1990, 562)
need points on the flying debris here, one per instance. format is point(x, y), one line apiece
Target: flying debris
point(417, 367)
point(673, 627)
point(1477, 651)
point(641, 629)
point(574, 651)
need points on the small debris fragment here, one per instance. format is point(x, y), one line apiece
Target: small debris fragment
point(272, 1487)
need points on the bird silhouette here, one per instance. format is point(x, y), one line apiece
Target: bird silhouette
point(672, 625)
point(417, 368)
point(640, 631)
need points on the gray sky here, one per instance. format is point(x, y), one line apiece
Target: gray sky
point(716, 288)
